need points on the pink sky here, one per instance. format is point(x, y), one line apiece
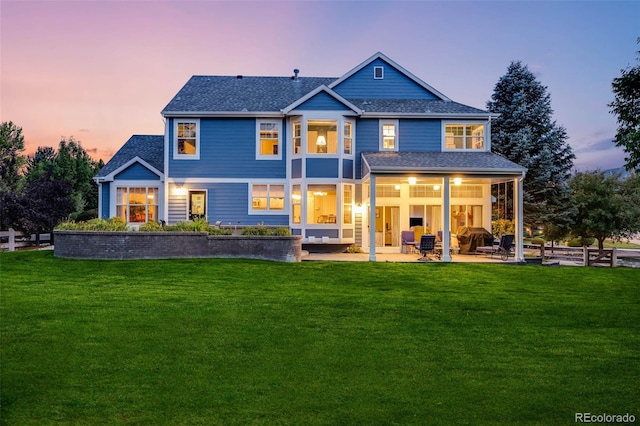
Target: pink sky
point(101, 71)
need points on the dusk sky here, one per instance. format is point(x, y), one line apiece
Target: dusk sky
point(101, 71)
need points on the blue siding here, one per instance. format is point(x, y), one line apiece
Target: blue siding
point(106, 190)
point(322, 167)
point(323, 102)
point(420, 135)
point(347, 169)
point(367, 140)
point(227, 202)
point(296, 168)
point(137, 171)
point(228, 149)
point(394, 85)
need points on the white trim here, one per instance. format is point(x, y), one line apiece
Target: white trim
point(353, 138)
point(165, 201)
point(464, 123)
point(375, 73)
point(396, 124)
point(176, 155)
point(380, 55)
point(207, 114)
point(113, 194)
point(328, 91)
point(268, 211)
point(278, 155)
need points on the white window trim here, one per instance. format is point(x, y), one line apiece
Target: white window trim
point(321, 117)
point(397, 142)
point(485, 147)
point(375, 69)
point(353, 137)
point(277, 156)
point(285, 209)
point(113, 191)
point(176, 155)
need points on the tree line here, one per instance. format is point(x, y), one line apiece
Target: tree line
point(37, 192)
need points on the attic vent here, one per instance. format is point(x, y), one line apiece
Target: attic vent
point(239, 76)
point(378, 73)
point(295, 74)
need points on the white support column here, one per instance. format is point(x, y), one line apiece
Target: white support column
point(518, 215)
point(446, 209)
point(372, 218)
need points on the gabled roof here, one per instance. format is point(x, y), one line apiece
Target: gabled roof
point(321, 89)
point(440, 163)
point(385, 58)
point(274, 96)
point(148, 148)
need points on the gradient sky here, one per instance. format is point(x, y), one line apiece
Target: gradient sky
point(101, 71)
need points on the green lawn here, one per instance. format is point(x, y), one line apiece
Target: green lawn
point(212, 341)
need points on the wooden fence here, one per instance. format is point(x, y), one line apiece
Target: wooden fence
point(11, 240)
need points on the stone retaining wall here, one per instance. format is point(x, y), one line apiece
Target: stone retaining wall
point(167, 245)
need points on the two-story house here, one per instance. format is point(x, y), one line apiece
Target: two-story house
point(354, 159)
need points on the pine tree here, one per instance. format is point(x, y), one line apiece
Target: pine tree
point(526, 134)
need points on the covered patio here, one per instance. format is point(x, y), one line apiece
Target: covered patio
point(438, 191)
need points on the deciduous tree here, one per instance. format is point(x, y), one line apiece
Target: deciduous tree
point(607, 207)
point(11, 159)
point(626, 107)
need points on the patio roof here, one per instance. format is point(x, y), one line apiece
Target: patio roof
point(439, 163)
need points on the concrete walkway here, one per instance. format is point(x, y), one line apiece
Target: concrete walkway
point(399, 257)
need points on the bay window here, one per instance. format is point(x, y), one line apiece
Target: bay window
point(322, 205)
point(322, 137)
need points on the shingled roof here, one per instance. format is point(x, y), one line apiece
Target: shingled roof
point(439, 162)
point(241, 94)
point(149, 148)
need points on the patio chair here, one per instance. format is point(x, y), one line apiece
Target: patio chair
point(408, 241)
point(427, 246)
point(503, 248)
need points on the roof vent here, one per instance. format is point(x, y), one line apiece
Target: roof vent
point(239, 76)
point(295, 74)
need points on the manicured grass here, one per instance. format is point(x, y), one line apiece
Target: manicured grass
point(212, 341)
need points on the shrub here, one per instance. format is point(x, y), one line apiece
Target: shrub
point(281, 231)
point(113, 224)
point(502, 226)
point(354, 249)
point(219, 231)
point(581, 242)
point(151, 227)
point(198, 225)
point(538, 240)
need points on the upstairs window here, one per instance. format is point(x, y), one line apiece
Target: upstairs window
point(463, 136)
point(187, 139)
point(322, 137)
point(348, 137)
point(389, 135)
point(378, 73)
point(268, 141)
point(297, 137)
